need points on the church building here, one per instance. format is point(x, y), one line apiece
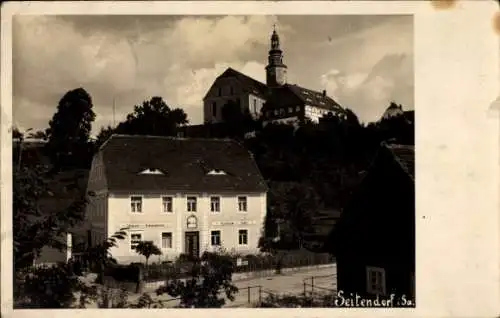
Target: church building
point(274, 101)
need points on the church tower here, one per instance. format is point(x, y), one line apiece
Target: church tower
point(275, 69)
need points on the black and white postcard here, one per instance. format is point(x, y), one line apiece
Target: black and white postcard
point(303, 158)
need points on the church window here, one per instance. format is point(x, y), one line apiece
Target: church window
point(214, 109)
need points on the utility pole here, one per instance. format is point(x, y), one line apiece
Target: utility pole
point(114, 107)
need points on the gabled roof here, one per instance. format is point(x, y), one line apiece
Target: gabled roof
point(291, 95)
point(186, 163)
point(314, 98)
point(405, 156)
point(249, 84)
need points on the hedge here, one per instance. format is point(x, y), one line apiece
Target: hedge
point(181, 268)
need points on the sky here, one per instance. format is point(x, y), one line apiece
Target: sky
point(363, 61)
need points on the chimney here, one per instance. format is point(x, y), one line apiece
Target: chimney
point(324, 93)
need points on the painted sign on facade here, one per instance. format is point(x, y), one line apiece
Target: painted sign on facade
point(192, 222)
point(145, 226)
point(242, 222)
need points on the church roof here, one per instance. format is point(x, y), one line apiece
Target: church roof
point(249, 84)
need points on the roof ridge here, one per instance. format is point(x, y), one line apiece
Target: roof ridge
point(242, 74)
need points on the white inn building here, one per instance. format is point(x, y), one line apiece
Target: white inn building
point(185, 195)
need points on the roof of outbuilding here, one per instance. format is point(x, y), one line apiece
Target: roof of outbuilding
point(184, 162)
point(405, 156)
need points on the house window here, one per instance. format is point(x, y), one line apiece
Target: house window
point(136, 204)
point(167, 204)
point(191, 204)
point(375, 280)
point(297, 108)
point(166, 240)
point(243, 237)
point(215, 204)
point(215, 238)
point(290, 109)
point(214, 109)
point(242, 204)
point(135, 238)
point(276, 112)
point(282, 111)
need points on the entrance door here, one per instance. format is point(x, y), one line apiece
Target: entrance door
point(192, 243)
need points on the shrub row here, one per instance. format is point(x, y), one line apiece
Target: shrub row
point(252, 263)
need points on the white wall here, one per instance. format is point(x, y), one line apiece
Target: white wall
point(213, 96)
point(251, 101)
point(152, 222)
point(315, 113)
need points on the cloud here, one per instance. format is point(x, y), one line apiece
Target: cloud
point(177, 62)
point(130, 59)
point(369, 94)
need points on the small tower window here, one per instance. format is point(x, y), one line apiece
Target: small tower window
point(231, 90)
point(220, 91)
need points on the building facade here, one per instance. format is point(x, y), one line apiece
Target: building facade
point(275, 101)
point(374, 241)
point(185, 195)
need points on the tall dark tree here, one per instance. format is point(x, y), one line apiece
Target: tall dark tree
point(153, 117)
point(237, 120)
point(69, 130)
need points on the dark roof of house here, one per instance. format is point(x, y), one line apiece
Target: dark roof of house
point(410, 115)
point(314, 98)
point(249, 84)
point(405, 156)
point(291, 95)
point(184, 162)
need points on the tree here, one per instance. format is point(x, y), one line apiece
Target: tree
point(153, 117)
point(58, 286)
point(210, 280)
point(39, 134)
point(237, 121)
point(69, 130)
point(16, 133)
point(104, 135)
point(147, 249)
point(34, 227)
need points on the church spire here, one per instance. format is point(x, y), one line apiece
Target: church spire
point(275, 39)
point(275, 69)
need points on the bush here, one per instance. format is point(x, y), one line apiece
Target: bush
point(124, 273)
point(289, 259)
